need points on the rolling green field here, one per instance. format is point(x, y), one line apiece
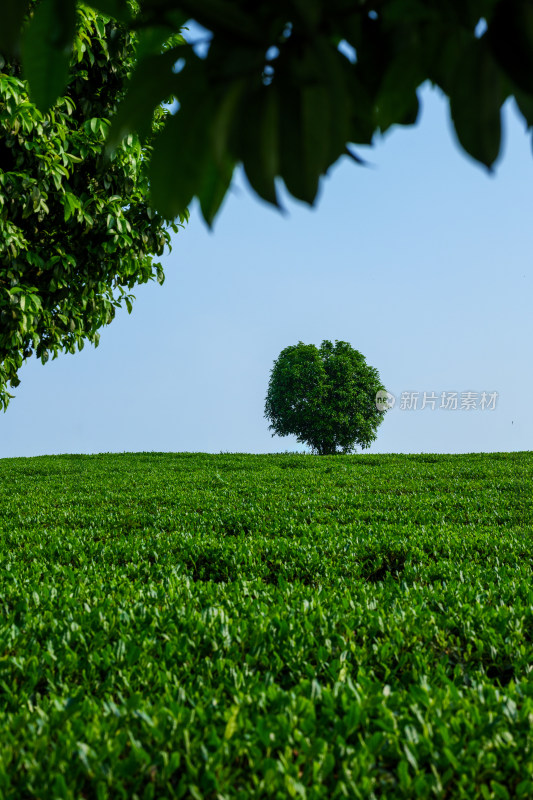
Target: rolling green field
point(275, 626)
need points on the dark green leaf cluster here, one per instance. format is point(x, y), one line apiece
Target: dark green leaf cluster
point(76, 230)
point(194, 626)
point(325, 396)
point(287, 86)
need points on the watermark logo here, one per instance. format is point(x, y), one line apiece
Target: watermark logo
point(448, 401)
point(385, 400)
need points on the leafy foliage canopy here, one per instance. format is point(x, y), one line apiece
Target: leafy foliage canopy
point(288, 86)
point(76, 230)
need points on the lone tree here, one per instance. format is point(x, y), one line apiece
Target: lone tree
point(76, 230)
point(325, 397)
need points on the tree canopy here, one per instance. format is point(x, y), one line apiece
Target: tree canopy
point(76, 230)
point(325, 396)
point(289, 86)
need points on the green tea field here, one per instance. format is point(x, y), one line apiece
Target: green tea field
point(223, 627)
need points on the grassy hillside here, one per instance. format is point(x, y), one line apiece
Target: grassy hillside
point(237, 626)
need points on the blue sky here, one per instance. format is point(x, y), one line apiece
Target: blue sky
point(421, 261)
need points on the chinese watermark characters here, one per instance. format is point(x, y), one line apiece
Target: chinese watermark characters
point(447, 401)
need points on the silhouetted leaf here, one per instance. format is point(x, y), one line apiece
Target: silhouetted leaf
point(510, 36)
point(355, 157)
point(180, 158)
point(314, 116)
point(226, 125)
point(152, 82)
point(151, 39)
point(259, 141)
point(361, 125)
point(118, 9)
point(222, 15)
point(310, 11)
point(475, 102)
point(12, 15)
point(397, 101)
point(299, 181)
point(46, 48)
point(524, 103)
point(318, 123)
point(215, 184)
point(333, 100)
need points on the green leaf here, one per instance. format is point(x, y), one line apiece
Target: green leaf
point(46, 48)
point(232, 725)
point(524, 788)
point(500, 791)
point(60, 786)
point(476, 97)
